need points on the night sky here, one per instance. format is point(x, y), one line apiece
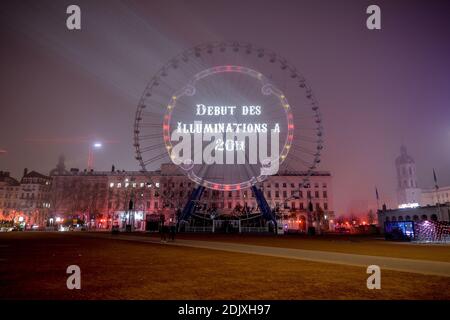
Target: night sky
point(61, 90)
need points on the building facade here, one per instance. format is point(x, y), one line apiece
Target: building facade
point(408, 191)
point(440, 213)
point(415, 204)
point(9, 195)
point(433, 196)
point(102, 198)
point(26, 202)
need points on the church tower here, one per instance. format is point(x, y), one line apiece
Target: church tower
point(407, 189)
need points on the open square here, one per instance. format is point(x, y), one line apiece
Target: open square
point(33, 266)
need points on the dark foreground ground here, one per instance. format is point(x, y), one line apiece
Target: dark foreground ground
point(33, 266)
point(373, 245)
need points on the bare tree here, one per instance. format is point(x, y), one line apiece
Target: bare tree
point(354, 219)
point(341, 219)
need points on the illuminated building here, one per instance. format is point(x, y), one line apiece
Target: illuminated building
point(432, 213)
point(408, 192)
point(9, 190)
point(432, 196)
point(27, 199)
point(103, 197)
point(423, 224)
point(407, 189)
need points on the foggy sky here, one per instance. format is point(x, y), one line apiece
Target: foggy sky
point(62, 90)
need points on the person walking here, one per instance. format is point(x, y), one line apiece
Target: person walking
point(173, 230)
point(162, 228)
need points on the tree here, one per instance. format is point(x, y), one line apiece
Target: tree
point(341, 219)
point(354, 219)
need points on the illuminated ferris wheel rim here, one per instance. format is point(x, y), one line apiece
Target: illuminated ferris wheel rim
point(211, 48)
point(267, 88)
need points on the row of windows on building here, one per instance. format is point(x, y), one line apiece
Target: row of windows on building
point(298, 194)
point(433, 217)
point(409, 170)
point(135, 185)
point(9, 188)
point(294, 185)
point(23, 196)
point(269, 194)
point(229, 205)
point(441, 197)
point(27, 204)
point(8, 205)
point(35, 181)
point(409, 184)
point(245, 194)
point(189, 184)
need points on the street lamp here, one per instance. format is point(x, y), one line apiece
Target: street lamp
point(95, 145)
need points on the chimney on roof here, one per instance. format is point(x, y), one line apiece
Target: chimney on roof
point(113, 168)
point(25, 172)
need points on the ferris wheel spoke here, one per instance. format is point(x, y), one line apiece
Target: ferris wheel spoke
point(311, 139)
point(304, 150)
point(151, 125)
point(301, 160)
point(155, 158)
point(150, 136)
point(153, 147)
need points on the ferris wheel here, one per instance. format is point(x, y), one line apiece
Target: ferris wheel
point(216, 84)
